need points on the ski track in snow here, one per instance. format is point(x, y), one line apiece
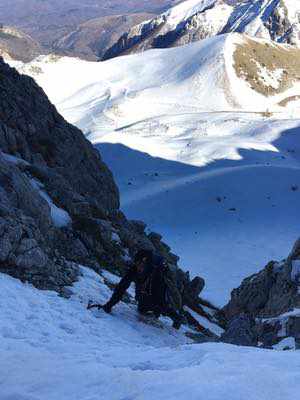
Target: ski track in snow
point(53, 348)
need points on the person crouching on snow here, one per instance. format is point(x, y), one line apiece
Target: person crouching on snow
point(151, 276)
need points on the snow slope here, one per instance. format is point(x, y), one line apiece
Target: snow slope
point(250, 17)
point(227, 219)
point(221, 177)
point(185, 10)
point(53, 348)
point(199, 77)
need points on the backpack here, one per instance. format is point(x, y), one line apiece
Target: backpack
point(173, 297)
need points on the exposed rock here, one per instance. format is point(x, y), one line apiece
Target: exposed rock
point(268, 333)
point(196, 286)
point(139, 226)
point(293, 327)
point(240, 331)
point(269, 293)
point(45, 164)
point(272, 297)
point(253, 56)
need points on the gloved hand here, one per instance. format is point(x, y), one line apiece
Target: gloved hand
point(107, 308)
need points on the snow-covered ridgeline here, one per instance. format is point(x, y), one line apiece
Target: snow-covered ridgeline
point(192, 20)
point(185, 10)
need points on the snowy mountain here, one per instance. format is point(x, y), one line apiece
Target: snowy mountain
point(200, 110)
point(194, 20)
point(203, 142)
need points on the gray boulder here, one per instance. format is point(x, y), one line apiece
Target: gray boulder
point(270, 297)
point(240, 331)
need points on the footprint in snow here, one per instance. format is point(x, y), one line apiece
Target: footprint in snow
point(18, 396)
point(67, 329)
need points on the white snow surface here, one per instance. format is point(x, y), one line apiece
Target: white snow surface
point(185, 10)
point(286, 344)
point(191, 151)
point(216, 329)
point(13, 159)
point(212, 20)
point(53, 348)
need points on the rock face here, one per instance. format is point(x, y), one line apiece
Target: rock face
point(48, 173)
point(189, 22)
point(240, 331)
point(272, 298)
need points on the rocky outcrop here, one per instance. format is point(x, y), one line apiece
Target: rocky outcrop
point(240, 331)
point(269, 293)
point(47, 167)
point(139, 38)
point(271, 298)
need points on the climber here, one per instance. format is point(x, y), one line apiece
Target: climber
point(155, 290)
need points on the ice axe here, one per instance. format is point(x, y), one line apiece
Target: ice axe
point(93, 305)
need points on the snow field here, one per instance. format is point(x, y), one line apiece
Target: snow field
point(54, 348)
point(227, 219)
point(186, 9)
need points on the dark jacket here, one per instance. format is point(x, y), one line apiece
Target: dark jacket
point(150, 288)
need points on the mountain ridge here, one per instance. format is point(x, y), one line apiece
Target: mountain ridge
point(17, 45)
point(50, 21)
point(194, 20)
